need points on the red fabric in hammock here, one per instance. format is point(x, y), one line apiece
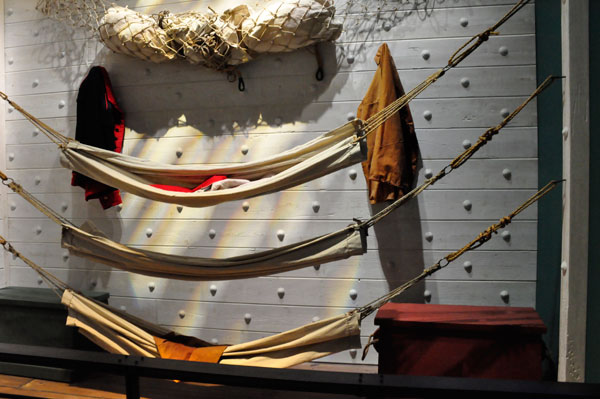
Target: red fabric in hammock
point(180, 189)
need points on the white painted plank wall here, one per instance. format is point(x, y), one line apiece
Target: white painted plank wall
point(173, 107)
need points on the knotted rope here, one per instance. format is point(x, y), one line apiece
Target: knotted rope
point(56, 284)
point(459, 55)
point(481, 239)
point(460, 159)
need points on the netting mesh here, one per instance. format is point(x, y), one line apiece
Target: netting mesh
point(218, 41)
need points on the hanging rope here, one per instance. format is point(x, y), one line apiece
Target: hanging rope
point(17, 188)
point(459, 160)
point(56, 284)
point(459, 55)
point(482, 238)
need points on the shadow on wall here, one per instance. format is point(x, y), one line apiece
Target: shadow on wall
point(400, 247)
point(368, 21)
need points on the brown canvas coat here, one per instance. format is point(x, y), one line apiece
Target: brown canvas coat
point(392, 148)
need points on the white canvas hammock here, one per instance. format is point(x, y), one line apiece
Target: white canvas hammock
point(88, 242)
point(118, 332)
point(328, 153)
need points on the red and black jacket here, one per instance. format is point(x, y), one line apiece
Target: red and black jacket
point(100, 123)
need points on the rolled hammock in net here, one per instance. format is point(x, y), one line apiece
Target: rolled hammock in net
point(325, 154)
point(89, 242)
point(217, 41)
point(118, 332)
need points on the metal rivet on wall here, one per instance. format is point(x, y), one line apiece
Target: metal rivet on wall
point(504, 295)
point(37, 180)
point(350, 60)
point(506, 173)
point(467, 205)
point(35, 83)
point(315, 319)
point(350, 116)
point(317, 267)
point(62, 54)
point(214, 341)
point(10, 110)
point(565, 133)
point(504, 112)
point(427, 115)
point(40, 281)
point(38, 230)
point(119, 207)
point(466, 144)
point(428, 173)
point(563, 267)
point(468, 266)
point(353, 294)
point(278, 121)
point(149, 232)
point(463, 22)
point(13, 206)
point(65, 256)
point(427, 295)
point(280, 292)
point(503, 50)
point(280, 235)
point(181, 314)
point(429, 236)
point(123, 308)
point(244, 149)
point(506, 235)
point(316, 206)
point(212, 233)
point(35, 132)
point(93, 284)
point(213, 290)
point(11, 156)
point(425, 54)
point(179, 152)
point(9, 12)
point(151, 286)
point(247, 318)
point(464, 82)
point(179, 208)
point(387, 26)
point(352, 353)
point(245, 206)
point(61, 104)
point(64, 206)
point(352, 174)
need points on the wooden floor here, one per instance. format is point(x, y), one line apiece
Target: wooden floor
point(113, 387)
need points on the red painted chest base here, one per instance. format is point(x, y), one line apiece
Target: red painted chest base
point(460, 341)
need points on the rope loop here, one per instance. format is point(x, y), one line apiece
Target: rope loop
point(505, 221)
point(8, 181)
point(3, 96)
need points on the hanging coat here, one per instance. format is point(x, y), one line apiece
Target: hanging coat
point(392, 148)
point(100, 123)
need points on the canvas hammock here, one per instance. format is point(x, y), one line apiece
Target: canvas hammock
point(217, 41)
point(118, 332)
point(325, 154)
point(89, 242)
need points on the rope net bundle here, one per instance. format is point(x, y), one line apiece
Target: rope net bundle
point(217, 41)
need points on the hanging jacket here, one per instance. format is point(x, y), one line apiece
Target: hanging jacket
point(392, 148)
point(100, 123)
